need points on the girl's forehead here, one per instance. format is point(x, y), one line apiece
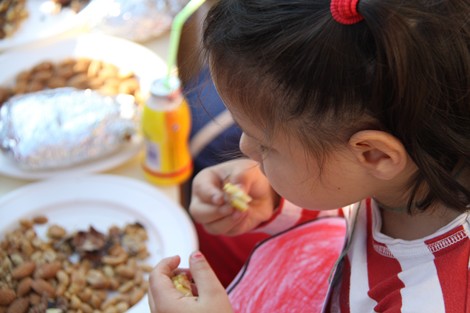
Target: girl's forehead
point(249, 109)
point(262, 131)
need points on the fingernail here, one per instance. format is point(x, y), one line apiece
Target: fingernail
point(197, 256)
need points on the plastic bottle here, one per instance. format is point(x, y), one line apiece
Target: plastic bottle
point(166, 123)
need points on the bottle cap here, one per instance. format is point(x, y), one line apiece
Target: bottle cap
point(165, 87)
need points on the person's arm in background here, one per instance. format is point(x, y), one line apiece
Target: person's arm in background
point(189, 59)
point(214, 136)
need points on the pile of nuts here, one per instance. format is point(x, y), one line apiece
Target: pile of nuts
point(86, 271)
point(80, 73)
point(12, 14)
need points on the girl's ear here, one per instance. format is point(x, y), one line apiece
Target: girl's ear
point(380, 153)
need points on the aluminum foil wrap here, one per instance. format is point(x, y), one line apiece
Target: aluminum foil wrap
point(136, 20)
point(62, 127)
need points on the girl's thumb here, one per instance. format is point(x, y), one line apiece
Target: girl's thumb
point(206, 281)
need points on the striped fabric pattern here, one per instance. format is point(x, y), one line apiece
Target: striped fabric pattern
point(392, 275)
point(382, 274)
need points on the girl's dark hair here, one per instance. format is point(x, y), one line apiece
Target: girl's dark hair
point(404, 69)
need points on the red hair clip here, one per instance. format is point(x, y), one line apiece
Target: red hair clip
point(345, 11)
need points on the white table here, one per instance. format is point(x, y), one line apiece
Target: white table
point(131, 168)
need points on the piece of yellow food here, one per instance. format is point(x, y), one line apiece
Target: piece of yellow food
point(237, 197)
point(182, 283)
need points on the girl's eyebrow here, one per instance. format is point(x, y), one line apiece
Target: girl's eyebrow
point(235, 122)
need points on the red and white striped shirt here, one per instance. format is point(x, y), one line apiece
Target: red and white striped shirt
point(377, 273)
point(383, 274)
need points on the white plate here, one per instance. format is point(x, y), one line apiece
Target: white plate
point(125, 54)
point(42, 23)
point(102, 201)
point(126, 152)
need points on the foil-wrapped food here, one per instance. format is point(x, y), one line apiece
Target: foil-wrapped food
point(62, 127)
point(137, 20)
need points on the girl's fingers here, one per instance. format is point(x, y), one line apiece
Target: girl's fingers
point(208, 193)
point(167, 266)
point(151, 302)
point(207, 283)
point(160, 283)
point(204, 212)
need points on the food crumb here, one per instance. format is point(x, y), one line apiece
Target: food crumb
point(237, 197)
point(182, 284)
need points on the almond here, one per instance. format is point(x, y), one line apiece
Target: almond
point(42, 287)
point(47, 270)
point(24, 286)
point(34, 299)
point(20, 305)
point(7, 296)
point(41, 219)
point(23, 270)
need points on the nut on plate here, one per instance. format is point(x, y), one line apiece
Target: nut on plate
point(236, 197)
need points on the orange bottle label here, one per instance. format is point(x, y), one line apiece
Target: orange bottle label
point(166, 132)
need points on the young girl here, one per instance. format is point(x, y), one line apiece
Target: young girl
point(358, 105)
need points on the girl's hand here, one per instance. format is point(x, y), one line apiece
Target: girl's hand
point(165, 298)
point(210, 208)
